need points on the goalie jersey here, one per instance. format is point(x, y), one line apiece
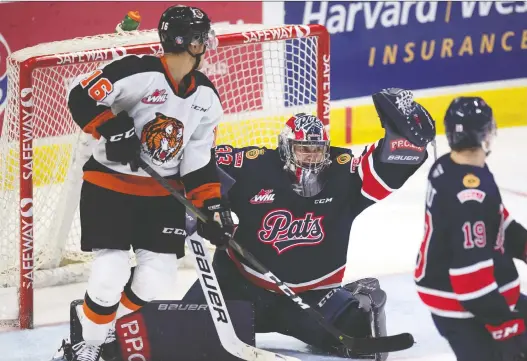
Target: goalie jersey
point(175, 123)
point(465, 263)
point(304, 239)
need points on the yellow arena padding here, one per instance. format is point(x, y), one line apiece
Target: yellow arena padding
point(509, 106)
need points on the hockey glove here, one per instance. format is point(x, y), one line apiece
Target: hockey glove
point(409, 127)
point(122, 144)
point(511, 340)
point(220, 228)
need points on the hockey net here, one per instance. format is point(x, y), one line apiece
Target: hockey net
point(263, 75)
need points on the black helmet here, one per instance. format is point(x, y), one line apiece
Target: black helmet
point(469, 124)
point(181, 26)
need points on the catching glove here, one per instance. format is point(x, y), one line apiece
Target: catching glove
point(408, 125)
point(122, 144)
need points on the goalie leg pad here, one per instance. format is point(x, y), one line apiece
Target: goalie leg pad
point(180, 331)
point(372, 300)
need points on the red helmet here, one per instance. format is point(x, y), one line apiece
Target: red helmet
point(304, 147)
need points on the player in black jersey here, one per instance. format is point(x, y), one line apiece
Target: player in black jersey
point(296, 205)
point(465, 272)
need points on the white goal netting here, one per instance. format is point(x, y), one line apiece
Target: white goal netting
point(261, 83)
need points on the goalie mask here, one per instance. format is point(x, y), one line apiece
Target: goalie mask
point(304, 148)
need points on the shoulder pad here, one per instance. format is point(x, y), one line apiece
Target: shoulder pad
point(130, 65)
point(203, 80)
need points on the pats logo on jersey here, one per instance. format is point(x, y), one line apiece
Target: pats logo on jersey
point(162, 138)
point(263, 196)
point(283, 231)
point(4, 54)
point(157, 97)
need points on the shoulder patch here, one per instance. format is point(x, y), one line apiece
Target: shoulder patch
point(343, 158)
point(471, 181)
point(254, 153)
point(471, 195)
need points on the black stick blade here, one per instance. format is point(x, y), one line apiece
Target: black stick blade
point(372, 345)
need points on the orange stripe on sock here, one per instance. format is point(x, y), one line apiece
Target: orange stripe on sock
point(95, 317)
point(129, 304)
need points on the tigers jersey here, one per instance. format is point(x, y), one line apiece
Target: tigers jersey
point(305, 239)
point(465, 264)
point(175, 123)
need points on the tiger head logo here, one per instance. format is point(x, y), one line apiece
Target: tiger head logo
point(162, 138)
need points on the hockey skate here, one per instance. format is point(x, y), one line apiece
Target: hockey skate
point(74, 348)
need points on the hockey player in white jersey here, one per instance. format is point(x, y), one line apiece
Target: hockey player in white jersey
point(165, 111)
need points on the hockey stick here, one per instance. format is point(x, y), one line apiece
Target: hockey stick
point(434, 145)
point(356, 344)
point(212, 291)
point(217, 307)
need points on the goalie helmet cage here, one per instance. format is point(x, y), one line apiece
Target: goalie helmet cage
point(263, 76)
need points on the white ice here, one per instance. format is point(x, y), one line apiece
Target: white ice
point(383, 243)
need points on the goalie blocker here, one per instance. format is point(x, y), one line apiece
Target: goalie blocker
point(184, 331)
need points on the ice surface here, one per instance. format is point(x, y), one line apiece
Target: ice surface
point(383, 243)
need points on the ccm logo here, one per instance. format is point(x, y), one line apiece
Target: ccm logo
point(327, 297)
point(323, 200)
point(178, 231)
point(505, 333)
point(126, 135)
point(198, 108)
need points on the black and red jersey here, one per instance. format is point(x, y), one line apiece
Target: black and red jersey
point(303, 239)
point(465, 263)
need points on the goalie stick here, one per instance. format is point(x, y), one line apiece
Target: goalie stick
point(360, 345)
point(222, 321)
point(212, 291)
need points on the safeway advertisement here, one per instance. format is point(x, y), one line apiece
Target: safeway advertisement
point(24, 24)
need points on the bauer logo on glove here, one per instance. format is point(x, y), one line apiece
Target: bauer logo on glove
point(408, 125)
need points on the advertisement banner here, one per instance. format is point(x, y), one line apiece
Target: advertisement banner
point(24, 24)
point(418, 44)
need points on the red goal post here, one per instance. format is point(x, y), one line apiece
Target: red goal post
point(263, 76)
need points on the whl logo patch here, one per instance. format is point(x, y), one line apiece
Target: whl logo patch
point(157, 97)
point(263, 196)
point(283, 231)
